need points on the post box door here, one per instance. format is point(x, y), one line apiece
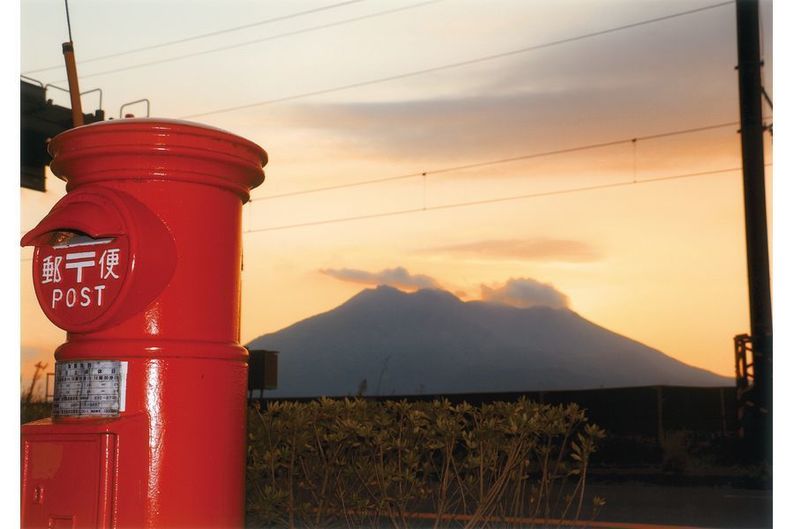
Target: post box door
point(67, 481)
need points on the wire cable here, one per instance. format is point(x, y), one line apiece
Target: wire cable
point(502, 160)
point(258, 41)
point(205, 35)
point(459, 64)
point(491, 200)
point(766, 96)
point(494, 200)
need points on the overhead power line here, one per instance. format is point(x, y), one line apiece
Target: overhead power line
point(205, 35)
point(486, 163)
point(494, 200)
point(460, 63)
point(257, 41)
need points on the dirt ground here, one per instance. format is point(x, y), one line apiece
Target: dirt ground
point(699, 506)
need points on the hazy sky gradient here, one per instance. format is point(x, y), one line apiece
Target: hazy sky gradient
point(662, 263)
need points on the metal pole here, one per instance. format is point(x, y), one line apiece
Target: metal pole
point(74, 88)
point(752, 130)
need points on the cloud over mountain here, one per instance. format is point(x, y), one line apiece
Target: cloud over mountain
point(397, 277)
point(520, 292)
point(523, 292)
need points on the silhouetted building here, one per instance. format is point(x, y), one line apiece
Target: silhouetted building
point(41, 120)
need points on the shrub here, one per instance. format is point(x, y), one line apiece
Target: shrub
point(32, 411)
point(356, 463)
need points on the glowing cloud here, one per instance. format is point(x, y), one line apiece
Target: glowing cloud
point(535, 249)
point(397, 277)
point(524, 293)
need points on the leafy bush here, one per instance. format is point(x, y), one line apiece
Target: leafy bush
point(32, 411)
point(362, 463)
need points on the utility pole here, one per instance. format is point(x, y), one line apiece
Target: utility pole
point(752, 139)
point(39, 367)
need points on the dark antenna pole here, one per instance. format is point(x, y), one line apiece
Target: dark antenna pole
point(752, 131)
point(68, 21)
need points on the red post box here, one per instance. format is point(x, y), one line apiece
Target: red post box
point(140, 264)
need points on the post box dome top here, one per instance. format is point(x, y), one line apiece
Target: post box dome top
point(157, 149)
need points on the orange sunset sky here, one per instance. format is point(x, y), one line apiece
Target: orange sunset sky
point(346, 92)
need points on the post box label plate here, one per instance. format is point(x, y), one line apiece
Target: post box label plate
point(90, 388)
point(78, 279)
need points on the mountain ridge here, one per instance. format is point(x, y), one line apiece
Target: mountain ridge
point(430, 341)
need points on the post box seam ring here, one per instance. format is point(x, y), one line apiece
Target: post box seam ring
point(242, 191)
point(242, 150)
point(151, 348)
point(154, 128)
point(61, 155)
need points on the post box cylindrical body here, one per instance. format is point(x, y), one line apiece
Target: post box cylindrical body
point(140, 264)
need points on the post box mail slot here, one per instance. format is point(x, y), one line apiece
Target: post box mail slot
point(93, 249)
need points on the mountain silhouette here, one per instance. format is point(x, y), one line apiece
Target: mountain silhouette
point(384, 341)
